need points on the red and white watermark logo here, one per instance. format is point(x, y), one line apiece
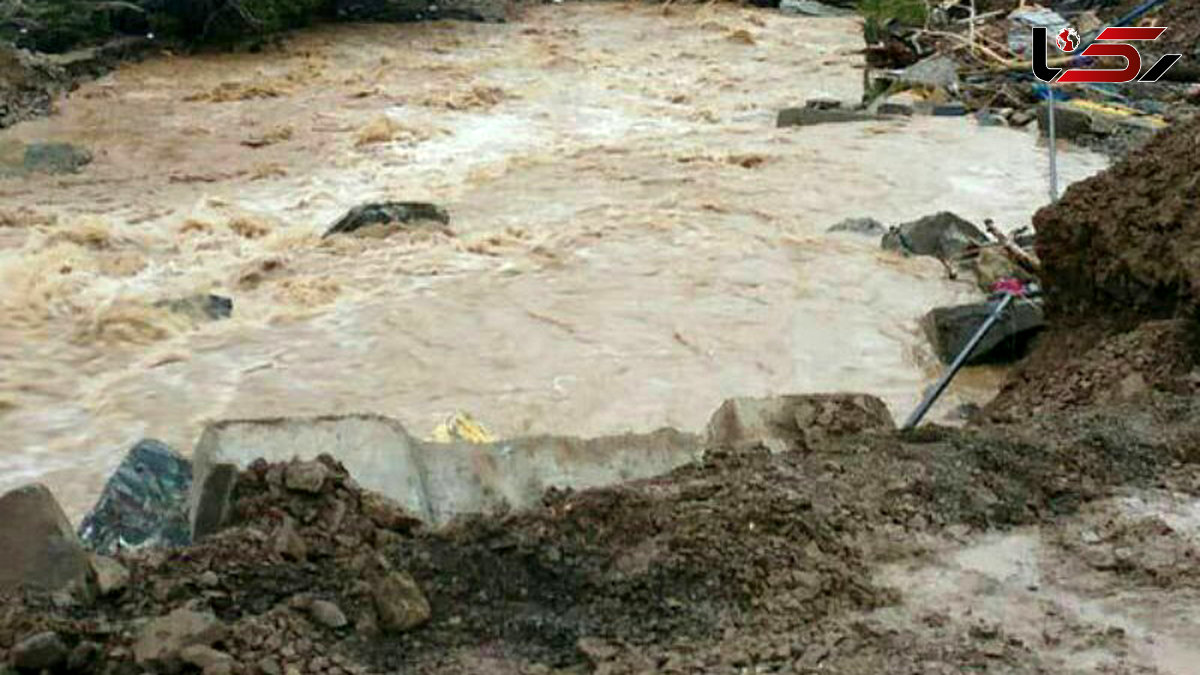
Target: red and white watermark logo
point(1114, 44)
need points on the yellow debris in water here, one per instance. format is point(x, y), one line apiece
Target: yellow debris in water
point(461, 427)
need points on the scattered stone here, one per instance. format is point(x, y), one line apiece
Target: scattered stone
point(943, 235)
point(204, 657)
point(201, 307)
point(209, 579)
point(939, 71)
point(868, 226)
point(210, 499)
point(55, 158)
point(800, 117)
point(288, 542)
point(143, 504)
point(327, 614)
point(38, 548)
point(384, 218)
point(950, 328)
point(269, 666)
point(785, 423)
point(44, 651)
point(306, 476)
point(111, 576)
point(163, 639)
point(400, 603)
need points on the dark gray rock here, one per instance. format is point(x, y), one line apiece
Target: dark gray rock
point(200, 307)
point(210, 500)
point(802, 117)
point(55, 158)
point(823, 103)
point(868, 226)
point(44, 651)
point(491, 11)
point(950, 328)
point(943, 235)
point(385, 217)
point(951, 109)
point(143, 504)
point(38, 548)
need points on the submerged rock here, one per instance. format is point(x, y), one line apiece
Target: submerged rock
point(143, 504)
point(56, 158)
point(943, 235)
point(802, 117)
point(200, 307)
point(38, 548)
point(386, 217)
point(868, 226)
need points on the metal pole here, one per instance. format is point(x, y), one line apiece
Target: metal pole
point(1053, 143)
point(959, 362)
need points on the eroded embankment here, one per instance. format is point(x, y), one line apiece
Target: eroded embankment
point(795, 562)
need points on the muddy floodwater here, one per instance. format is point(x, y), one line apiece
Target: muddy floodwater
point(633, 239)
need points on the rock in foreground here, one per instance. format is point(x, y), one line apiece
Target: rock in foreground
point(144, 502)
point(38, 547)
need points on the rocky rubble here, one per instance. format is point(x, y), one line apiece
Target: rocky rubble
point(302, 568)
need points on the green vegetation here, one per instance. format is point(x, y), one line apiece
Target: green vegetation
point(877, 14)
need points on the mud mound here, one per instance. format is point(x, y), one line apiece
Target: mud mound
point(1125, 244)
point(1074, 370)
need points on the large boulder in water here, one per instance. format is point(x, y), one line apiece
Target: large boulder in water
point(144, 502)
point(383, 218)
point(942, 235)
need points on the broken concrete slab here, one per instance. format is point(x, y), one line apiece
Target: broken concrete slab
point(438, 481)
point(794, 422)
point(144, 502)
point(38, 547)
point(208, 503)
point(949, 329)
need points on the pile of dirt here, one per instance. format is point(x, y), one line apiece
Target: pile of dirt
point(1074, 369)
point(1124, 245)
point(747, 559)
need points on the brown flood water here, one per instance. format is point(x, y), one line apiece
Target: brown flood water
point(635, 241)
